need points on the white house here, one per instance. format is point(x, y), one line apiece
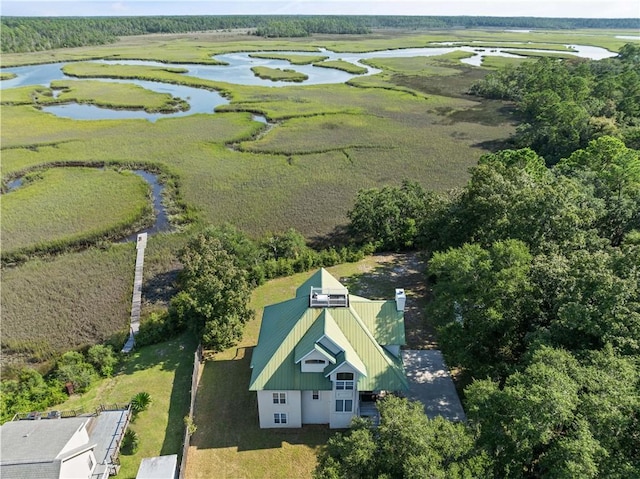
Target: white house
point(48, 448)
point(83, 447)
point(325, 355)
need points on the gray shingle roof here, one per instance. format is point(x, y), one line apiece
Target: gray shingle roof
point(36, 441)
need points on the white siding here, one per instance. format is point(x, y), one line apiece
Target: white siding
point(292, 408)
point(78, 466)
point(316, 411)
point(343, 419)
point(80, 438)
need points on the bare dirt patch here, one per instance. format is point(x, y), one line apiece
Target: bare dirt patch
point(379, 279)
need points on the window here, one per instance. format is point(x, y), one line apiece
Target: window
point(315, 361)
point(344, 384)
point(344, 405)
point(344, 381)
point(315, 395)
point(279, 398)
point(280, 418)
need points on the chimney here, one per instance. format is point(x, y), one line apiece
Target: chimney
point(401, 299)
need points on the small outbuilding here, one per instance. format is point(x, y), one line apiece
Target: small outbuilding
point(160, 467)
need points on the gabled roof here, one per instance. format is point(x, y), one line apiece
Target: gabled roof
point(320, 279)
point(37, 441)
point(33, 449)
point(290, 330)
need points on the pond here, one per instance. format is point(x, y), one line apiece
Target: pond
point(238, 71)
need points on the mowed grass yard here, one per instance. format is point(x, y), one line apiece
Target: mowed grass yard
point(228, 443)
point(162, 370)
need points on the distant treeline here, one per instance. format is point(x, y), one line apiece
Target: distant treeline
point(26, 34)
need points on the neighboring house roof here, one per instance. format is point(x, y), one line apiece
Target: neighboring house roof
point(292, 329)
point(32, 449)
point(160, 467)
point(36, 448)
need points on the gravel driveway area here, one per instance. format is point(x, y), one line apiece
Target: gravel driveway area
point(431, 384)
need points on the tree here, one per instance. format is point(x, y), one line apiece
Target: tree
point(614, 171)
point(102, 358)
point(28, 392)
point(561, 417)
point(72, 368)
point(215, 294)
point(406, 444)
point(529, 428)
point(510, 196)
point(390, 217)
point(483, 305)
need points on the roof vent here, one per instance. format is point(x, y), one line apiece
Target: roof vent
point(401, 299)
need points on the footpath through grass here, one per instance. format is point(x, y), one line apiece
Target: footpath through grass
point(228, 443)
point(162, 370)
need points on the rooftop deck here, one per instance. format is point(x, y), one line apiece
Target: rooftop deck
point(329, 298)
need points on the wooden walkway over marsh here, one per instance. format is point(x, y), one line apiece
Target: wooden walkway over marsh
point(137, 293)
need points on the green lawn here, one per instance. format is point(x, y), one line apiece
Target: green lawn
point(162, 370)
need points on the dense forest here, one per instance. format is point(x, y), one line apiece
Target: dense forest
point(28, 34)
point(533, 272)
point(562, 105)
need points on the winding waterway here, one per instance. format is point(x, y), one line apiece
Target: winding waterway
point(238, 71)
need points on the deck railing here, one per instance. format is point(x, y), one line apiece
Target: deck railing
point(329, 298)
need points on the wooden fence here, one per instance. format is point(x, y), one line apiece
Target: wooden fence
point(195, 379)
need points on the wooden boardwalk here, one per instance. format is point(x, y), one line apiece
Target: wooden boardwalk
point(137, 293)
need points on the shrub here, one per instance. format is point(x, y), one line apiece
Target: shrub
point(103, 359)
point(140, 402)
point(72, 368)
point(130, 443)
point(158, 327)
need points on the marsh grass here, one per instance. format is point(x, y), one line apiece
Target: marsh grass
point(27, 95)
point(63, 206)
point(540, 54)
point(278, 74)
point(51, 305)
point(496, 62)
point(342, 65)
point(116, 96)
point(327, 142)
point(291, 58)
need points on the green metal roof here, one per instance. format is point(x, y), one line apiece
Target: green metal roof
point(320, 279)
point(291, 329)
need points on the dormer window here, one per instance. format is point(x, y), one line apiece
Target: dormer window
point(315, 361)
